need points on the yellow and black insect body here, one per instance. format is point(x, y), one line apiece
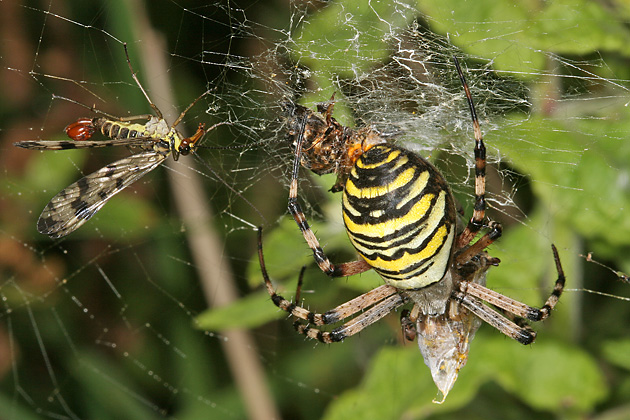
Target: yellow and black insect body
point(155, 129)
point(156, 139)
point(155, 134)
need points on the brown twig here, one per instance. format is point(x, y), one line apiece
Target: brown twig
point(206, 248)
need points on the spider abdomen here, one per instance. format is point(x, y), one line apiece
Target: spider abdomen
point(400, 216)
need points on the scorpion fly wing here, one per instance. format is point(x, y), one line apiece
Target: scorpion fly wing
point(77, 203)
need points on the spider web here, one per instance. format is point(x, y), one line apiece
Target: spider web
point(111, 320)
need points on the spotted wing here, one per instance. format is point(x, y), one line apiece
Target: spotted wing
point(76, 204)
point(72, 144)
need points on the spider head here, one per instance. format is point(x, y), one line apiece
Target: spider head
point(326, 145)
point(188, 144)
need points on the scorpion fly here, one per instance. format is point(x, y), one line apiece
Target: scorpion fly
point(156, 139)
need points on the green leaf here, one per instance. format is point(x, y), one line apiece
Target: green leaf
point(617, 352)
point(51, 171)
point(124, 215)
point(579, 171)
point(517, 35)
point(252, 311)
point(578, 27)
point(14, 410)
point(102, 383)
point(548, 376)
point(495, 30)
point(286, 252)
point(343, 40)
point(398, 385)
point(207, 381)
point(382, 394)
point(356, 35)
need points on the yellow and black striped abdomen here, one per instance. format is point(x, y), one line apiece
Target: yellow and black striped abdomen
point(156, 129)
point(119, 130)
point(400, 216)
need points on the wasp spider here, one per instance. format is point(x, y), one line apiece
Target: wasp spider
point(400, 216)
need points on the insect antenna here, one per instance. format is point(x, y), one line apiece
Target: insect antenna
point(91, 108)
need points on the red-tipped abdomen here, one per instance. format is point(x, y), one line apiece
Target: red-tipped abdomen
point(81, 130)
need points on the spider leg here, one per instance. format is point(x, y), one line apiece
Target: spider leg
point(408, 321)
point(554, 297)
point(513, 306)
point(486, 240)
point(471, 294)
point(339, 270)
point(298, 289)
point(356, 324)
point(500, 301)
point(522, 334)
point(476, 221)
point(380, 302)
